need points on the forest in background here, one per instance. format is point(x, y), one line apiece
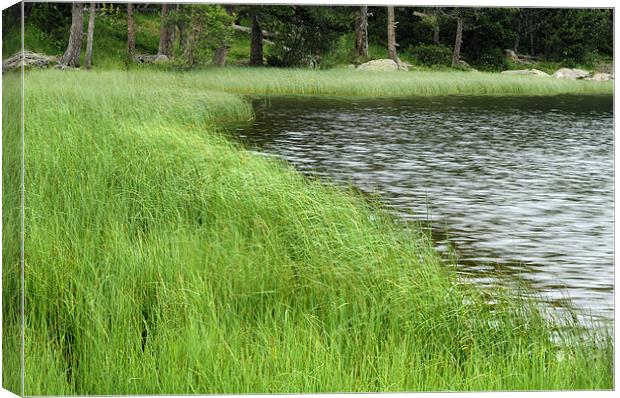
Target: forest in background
point(190, 36)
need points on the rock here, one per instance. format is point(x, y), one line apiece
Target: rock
point(161, 58)
point(30, 60)
point(381, 65)
point(350, 66)
point(572, 74)
point(150, 59)
point(528, 72)
point(601, 77)
point(144, 58)
point(537, 72)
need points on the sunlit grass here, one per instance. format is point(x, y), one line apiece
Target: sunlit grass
point(11, 219)
point(346, 82)
point(162, 258)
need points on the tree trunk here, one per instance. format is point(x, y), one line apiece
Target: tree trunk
point(436, 33)
point(361, 32)
point(165, 35)
point(182, 36)
point(190, 44)
point(219, 58)
point(131, 31)
point(71, 57)
point(256, 51)
point(181, 27)
point(391, 33)
point(456, 56)
point(88, 61)
point(515, 46)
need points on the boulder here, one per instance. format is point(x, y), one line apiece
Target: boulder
point(537, 72)
point(149, 59)
point(161, 58)
point(572, 74)
point(381, 65)
point(30, 60)
point(527, 72)
point(601, 77)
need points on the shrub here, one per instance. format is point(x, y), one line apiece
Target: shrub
point(307, 35)
point(342, 53)
point(493, 60)
point(432, 55)
point(575, 56)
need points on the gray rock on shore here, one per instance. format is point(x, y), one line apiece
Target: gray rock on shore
point(381, 65)
point(601, 77)
point(563, 73)
point(572, 74)
point(525, 72)
point(150, 59)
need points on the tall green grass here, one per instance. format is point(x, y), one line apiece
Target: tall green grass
point(353, 83)
point(162, 258)
point(345, 83)
point(11, 236)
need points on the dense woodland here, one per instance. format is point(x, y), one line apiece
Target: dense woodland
point(317, 36)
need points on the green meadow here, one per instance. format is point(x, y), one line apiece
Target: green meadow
point(163, 258)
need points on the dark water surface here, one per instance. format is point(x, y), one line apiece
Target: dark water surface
point(521, 187)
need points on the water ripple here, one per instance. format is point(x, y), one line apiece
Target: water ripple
point(521, 184)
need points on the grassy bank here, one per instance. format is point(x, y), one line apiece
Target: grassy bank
point(162, 258)
point(352, 83)
point(342, 83)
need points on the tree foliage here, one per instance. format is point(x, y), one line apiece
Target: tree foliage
point(209, 27)
point(569, 36)
point(306, 33)
point(432, 54)
point(575, 35)
point(312, 35)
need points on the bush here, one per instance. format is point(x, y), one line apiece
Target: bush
point(308, 34)
point(432, 55)
point(574, 56)
point(342, 53)
point(493, 60)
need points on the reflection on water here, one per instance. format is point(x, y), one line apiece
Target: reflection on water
point(521, 187)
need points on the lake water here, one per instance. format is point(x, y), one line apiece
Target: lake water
point(521, 188)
